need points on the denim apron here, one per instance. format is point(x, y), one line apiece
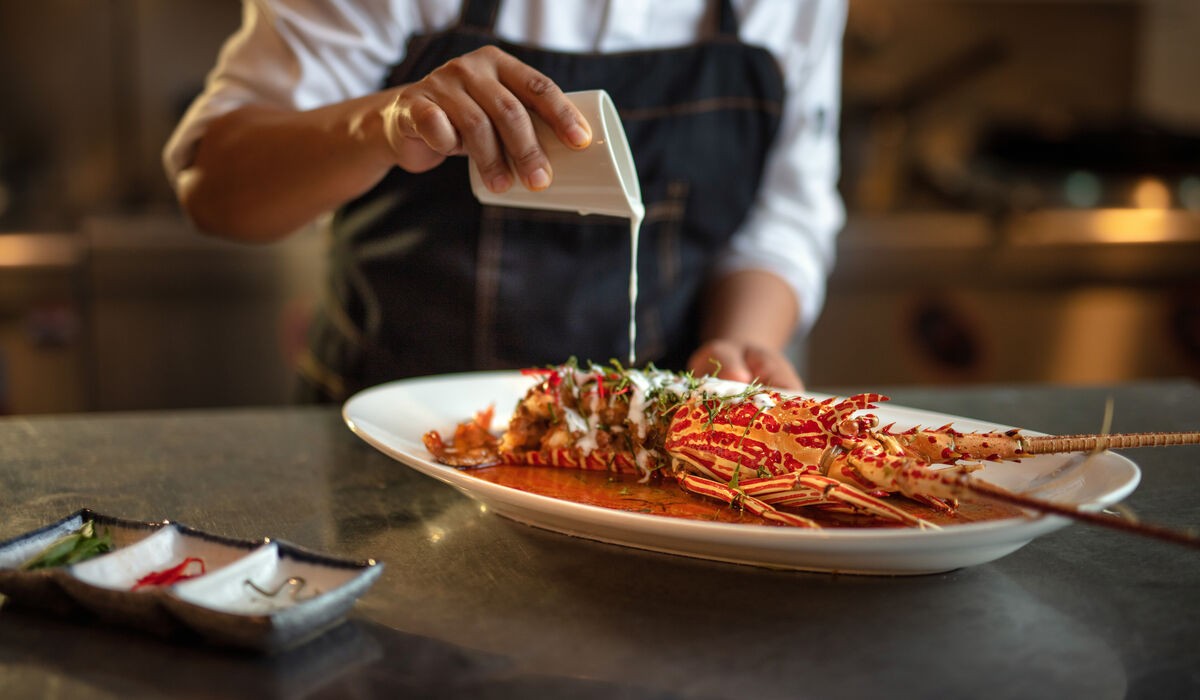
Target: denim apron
point(425, 280)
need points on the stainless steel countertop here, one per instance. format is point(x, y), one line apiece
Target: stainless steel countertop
point(474, 605)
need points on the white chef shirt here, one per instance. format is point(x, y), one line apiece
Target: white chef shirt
point(303, 54)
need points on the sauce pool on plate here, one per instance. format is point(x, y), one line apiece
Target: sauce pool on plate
point(664, 497)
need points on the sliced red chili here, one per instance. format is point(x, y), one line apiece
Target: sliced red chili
point(175, 574)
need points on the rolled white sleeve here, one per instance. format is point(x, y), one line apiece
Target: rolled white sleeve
point(792, 228)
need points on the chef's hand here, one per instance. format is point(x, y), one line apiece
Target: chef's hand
point(478, 105)
point(749, 317)
point(742, 362)
point(263, 171)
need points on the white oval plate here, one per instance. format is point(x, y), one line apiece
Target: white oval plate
point(392, 417)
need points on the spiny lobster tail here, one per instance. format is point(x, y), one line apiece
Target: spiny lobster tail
point(946, 445)
point(569, 458)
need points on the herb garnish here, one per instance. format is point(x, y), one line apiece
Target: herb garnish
point(82, 544)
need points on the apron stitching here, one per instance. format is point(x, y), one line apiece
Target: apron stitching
point(664, 210)
point(672, 213)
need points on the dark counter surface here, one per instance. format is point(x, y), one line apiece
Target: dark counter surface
point(473, 605)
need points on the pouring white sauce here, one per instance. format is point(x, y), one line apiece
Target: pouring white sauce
point(637, 212)
point(613, 143)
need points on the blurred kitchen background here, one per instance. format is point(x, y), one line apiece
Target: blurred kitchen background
point(1022, 179)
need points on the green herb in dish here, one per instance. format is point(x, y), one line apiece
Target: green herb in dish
point(82, 544)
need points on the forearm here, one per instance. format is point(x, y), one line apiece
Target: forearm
point(260, 172)
point(752, 307)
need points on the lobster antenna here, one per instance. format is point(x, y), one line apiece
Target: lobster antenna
point(1051, 444)
point(1106, 423)
point(1187, 538)
point(1075, 463)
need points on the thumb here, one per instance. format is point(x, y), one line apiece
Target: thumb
point(412, 149)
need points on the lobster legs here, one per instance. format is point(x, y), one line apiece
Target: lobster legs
point(796, 489)
point(703, 486)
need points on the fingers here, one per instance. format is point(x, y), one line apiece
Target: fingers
point(477, 132)
point(721, 358)
point(479, 105)
point(745, 363)
point(773, 368)
point(551, 104)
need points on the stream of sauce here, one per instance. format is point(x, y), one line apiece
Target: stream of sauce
point(637, 212)
point(662, 497)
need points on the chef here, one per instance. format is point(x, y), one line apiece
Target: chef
point(362, 108)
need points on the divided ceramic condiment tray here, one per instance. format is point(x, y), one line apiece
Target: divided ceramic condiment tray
point(171, 579)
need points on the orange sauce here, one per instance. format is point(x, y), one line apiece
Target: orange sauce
point(665, 497)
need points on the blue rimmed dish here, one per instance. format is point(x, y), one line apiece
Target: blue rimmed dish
point(261, 595)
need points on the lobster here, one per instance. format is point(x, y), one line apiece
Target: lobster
point(758, 449)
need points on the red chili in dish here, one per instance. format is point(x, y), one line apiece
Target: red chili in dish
point(166, 577)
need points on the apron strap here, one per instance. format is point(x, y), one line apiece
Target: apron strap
point(479, 14)
point(727, 22)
